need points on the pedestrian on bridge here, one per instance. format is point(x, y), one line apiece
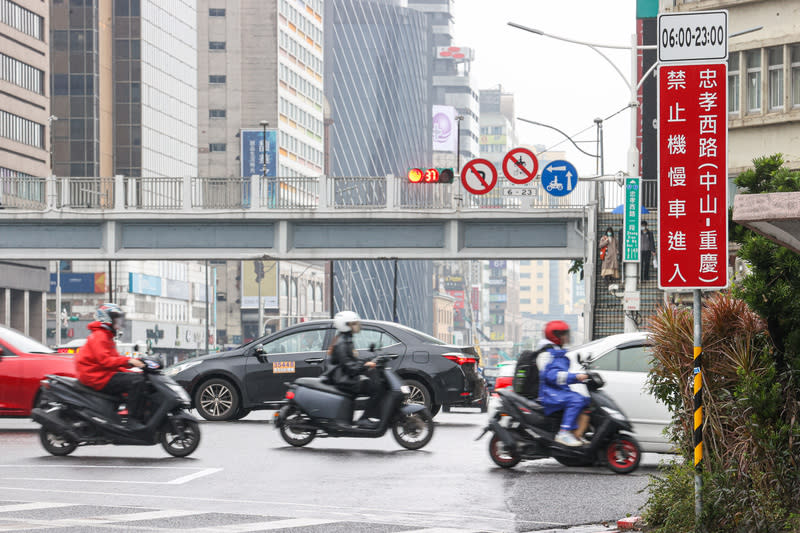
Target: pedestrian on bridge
point(609, 255)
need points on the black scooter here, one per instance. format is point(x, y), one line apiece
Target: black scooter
point(73, 415)
point(316, 408)
point(521, 430)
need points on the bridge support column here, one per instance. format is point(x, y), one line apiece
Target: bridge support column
point(391, 201)
point(322, 193)
point(119, 192)
point(187, 193)
point(51, 192)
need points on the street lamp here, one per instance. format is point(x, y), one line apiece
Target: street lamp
point(630, 269)
point(270, 184)
point(459, 118)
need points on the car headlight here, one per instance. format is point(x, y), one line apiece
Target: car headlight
point(177, 369)
point(405, 389)
point(181, 392)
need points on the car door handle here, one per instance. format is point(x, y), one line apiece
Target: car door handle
point(314, 360)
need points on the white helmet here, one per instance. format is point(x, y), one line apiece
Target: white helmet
point(344, 319)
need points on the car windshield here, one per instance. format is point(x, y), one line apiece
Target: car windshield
point(424, 336)
point(22, 343)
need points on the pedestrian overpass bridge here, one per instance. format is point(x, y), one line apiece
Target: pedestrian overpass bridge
point(127, 218)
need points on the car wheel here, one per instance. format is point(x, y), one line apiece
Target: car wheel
point(217, 399)
point(445, 408)
point(419, 394)
point(435, 409)
point(241, 413)
point(485, 406)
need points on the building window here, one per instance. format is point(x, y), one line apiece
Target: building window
point(217, 147)
point(21, 130)
point(216, 12)
point(524, 301)
point(540, 275)
point(21, 74)
point(524, 275)
point(216, 113)
point(216, 45)
point(753, 65)
point(216, 79)
point(539, 301)
point(795, 56)
point(733, 82)
point(775, 77)
point(21, 19)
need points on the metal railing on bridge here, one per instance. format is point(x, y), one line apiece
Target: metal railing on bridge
point(260, 193)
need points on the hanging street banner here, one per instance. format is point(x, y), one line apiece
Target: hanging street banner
point(632, 215)
point(445, 130)
point(253, 152)
point(693, 176)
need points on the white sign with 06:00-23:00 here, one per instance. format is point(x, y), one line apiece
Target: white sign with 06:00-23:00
point(695, 36)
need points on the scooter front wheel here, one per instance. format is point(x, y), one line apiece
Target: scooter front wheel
point(623, 454)
point(56, 444)
point(182, 440)
point(292, 435)
point(413, 431)
point(502, 455)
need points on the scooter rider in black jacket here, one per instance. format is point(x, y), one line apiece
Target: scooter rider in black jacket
point(348, 373)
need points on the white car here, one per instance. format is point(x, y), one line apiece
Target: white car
point(623, 362)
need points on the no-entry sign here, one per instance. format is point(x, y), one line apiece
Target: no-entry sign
point(520, 166)
point(693, 176)
point(479, 176)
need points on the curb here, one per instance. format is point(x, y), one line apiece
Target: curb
point(629, 523)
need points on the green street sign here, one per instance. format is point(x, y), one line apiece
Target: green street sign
point(632, 215)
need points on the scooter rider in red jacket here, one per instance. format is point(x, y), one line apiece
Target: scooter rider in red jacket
point(100, 367)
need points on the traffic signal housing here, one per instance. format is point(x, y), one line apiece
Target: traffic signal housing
point(430, 175)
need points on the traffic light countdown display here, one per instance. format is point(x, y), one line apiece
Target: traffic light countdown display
point(430, 175)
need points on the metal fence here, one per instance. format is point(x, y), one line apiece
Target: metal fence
point(24, 192)
point(285, 193)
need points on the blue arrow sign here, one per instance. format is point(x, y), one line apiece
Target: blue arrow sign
point(559, 178)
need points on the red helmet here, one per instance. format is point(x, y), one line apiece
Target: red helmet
point(555, 328)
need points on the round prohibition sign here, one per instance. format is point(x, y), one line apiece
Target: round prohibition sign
point(520, 162)
point(479, 176)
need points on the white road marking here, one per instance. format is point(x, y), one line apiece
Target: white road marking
point(148, 515)
point(191, 477)
point(444, 530)
point(177, 481)
point(274, 524)
point(32, 506)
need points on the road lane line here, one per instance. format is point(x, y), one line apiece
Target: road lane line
point(445, 530)
point(85, 480)
point(274, 524)
point(117, 467)
point(135, 517)
point(191, 477)
point(34, 506)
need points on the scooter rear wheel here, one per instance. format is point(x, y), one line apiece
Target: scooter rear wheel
point(501, 455)
point(56, 444)
point(414, 431)
point(623, 454)
point(184, 441)
point(293, 436)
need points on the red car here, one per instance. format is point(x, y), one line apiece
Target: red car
point(23, 363)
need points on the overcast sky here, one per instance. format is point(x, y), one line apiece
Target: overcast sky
point(555, 82)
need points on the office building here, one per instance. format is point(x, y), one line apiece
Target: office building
point(25, 148)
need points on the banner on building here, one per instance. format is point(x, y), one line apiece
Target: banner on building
point(144, 284)
point(80, 283)
point(256, 153)
point(445, 131)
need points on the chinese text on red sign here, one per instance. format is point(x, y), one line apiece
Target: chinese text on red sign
point(693, 175)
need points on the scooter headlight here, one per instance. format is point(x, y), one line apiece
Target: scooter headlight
point(181, 392)
point(613, 413)
point(405, 389)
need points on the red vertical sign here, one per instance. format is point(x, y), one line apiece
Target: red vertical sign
point(693, 176)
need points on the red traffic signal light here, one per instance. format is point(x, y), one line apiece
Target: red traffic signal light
point(415, 175)
point(430, 175)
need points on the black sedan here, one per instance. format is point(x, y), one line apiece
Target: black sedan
point(228, 385)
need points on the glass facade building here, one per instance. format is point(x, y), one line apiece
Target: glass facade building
point(378, 85)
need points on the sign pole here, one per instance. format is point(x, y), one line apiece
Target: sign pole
point(698, 407)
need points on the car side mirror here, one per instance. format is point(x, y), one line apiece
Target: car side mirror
point(581, 359)
point(372, 347)
point(260, 350)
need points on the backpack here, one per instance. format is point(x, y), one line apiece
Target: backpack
point(526, 375)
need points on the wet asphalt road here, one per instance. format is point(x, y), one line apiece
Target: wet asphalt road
point(243, 475)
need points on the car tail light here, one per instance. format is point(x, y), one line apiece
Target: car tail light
point(503, 382)
point(459, 359)
point(289, 394)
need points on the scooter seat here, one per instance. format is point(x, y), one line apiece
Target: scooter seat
point(77, 385)
point(318, 384)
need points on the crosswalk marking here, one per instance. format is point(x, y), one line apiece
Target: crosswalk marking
point(32, 506)
point(271, 525)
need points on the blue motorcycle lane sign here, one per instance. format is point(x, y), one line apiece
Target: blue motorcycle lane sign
point(559, 178)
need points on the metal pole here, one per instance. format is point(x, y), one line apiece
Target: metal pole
point(207, 307)
point(110, 283)
point(631, 270)
point(58, 303)
point(394, 297)
point(260, 329)
point(458, 146)
point(698, 408)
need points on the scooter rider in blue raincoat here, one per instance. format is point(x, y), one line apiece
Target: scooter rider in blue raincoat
point(554, 392)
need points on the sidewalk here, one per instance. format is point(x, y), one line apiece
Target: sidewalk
point(624, 524)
